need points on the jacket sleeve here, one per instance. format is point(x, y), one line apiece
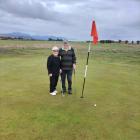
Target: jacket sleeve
point(73, 57)
point(49, 65)
point(60, 57)
point(59, 54)
point(60, 63)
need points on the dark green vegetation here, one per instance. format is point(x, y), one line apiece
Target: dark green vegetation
point(28, 112)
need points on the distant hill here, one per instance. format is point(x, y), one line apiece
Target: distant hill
point(19, 35)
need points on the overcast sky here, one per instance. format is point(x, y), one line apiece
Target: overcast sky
point(115, 19)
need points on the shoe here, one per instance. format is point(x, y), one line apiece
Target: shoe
point(70, 92)
point(53, 94)
point(64, 91)
point(56, 91)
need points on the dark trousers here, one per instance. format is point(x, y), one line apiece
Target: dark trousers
point(53, 83)
point(68, 74)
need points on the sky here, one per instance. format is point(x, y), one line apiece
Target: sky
point(72, 19)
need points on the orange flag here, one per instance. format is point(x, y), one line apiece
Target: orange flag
point(94, 33)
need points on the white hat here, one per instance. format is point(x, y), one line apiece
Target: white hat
point(55, 48)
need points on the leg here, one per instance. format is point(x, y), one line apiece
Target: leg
point(56, 81)
point(63, 77)
point(52, 84)
point(69, 78)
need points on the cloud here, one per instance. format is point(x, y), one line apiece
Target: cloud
point(72, 19)
point(29, 9)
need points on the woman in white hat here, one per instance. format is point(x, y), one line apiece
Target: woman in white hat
point(53, 66)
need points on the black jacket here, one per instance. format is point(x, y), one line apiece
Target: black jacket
point(53, 65)
point(68, 58)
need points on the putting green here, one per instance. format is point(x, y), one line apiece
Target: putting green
point(28, 112)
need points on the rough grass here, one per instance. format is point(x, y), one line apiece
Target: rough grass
point(28, 112)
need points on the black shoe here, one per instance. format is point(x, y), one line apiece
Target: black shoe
point(69, 92)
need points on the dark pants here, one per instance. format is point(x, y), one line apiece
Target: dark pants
point(68, 74)
point(53, 83)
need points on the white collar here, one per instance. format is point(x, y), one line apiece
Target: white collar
point(67, 49)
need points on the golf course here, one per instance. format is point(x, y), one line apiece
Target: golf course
point(110, 109)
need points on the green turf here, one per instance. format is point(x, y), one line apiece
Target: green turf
point(28, 112)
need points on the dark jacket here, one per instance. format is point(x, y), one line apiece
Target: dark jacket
point(68, 58)
point(53, 65)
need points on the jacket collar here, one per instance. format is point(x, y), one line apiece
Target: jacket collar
point(67, 49)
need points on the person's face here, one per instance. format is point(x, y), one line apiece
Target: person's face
point(55, 52)
point(66, 46)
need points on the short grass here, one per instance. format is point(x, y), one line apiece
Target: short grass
point(28, 112)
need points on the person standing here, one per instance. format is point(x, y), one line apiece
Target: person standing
point(53, 66)
point(68, 64)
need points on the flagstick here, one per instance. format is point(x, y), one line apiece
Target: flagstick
point(86, 68)
point(94, 34)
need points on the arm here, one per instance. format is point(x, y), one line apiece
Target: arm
point(60, 66)
point(74, 60)
point(49, 65)
point(60, 60)
point(59, 53)
point(73, 57)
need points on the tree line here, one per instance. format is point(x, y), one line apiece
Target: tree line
point(120, 41)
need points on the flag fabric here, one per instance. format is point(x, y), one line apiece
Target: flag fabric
point(94, 33)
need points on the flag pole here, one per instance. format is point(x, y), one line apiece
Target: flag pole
point(86, 68)
point(94, 34)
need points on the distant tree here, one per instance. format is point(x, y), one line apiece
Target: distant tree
point(107, 41)
point(110, 41)
point(102, 41)
point(88, 41)
point(126, 41)
point(132, 42)
point(50, 39)
point(138, 42)
point(119, 41)
point(59, 39)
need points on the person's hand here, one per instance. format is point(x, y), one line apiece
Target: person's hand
point(60, 71)
point(50, 75)
point(74, 66)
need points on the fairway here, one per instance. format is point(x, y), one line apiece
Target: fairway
point(28, 112)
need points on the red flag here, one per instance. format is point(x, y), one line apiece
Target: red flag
point(94, 33)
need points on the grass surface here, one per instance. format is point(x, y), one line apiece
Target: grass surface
point(28, 112)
